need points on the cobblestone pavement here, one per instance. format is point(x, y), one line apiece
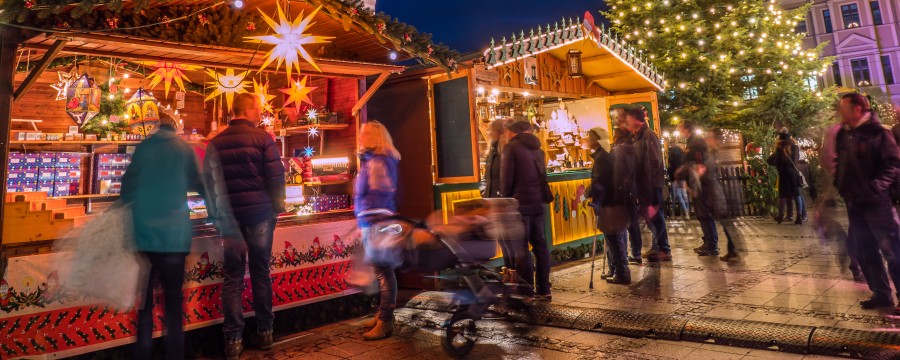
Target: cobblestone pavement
point(786, 276)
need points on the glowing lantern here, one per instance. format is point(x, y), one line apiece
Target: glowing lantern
point(142, 112)
point(82, 99)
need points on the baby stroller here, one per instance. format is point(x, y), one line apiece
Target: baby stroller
point(460, 249)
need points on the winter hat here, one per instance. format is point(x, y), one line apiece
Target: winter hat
point(518, 126)
point(602, 136)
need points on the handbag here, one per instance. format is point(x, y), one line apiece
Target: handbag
point(803, 182)
point(99, 260)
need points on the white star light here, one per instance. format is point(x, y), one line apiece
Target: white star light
point(308, 151)
point(313, 132)
point(288, 40)
point(267, 120)
point(311, 114)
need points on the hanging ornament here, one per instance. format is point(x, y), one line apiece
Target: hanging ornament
point(354, 12)
point(429, 50)
point(167, 72)
point(289, 39)
point(164, 19)
point(64, 79)
point(112, 22)
point(29, 4)
point(313, 132)
point(261, 90)
point(298, 93)
point(312, 116)
point(251, 25)
point(267, 120)
point(227, 84)
point(204, 20)
point(407, 38)
point(381, 28)
point(63, 25)
point(309, 151)
point(142, 112)
point(82, 99)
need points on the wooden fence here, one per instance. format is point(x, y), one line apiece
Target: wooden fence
point(734, 180)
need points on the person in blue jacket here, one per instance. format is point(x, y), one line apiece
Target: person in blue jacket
point(375, 192)
point(162, 172)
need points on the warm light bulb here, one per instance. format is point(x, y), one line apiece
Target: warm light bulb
point(393, 55)
point(127, 90)
point(480, 90)
point(110, 96)
point(526, 94)
point(238, 4)
point(126, 75)
point(495, 92)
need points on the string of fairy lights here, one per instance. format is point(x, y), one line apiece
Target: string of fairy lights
point(697, 32)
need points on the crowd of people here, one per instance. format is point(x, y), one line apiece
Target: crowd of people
point(241, 177)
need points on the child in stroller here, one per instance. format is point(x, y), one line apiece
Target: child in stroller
point(463, 246)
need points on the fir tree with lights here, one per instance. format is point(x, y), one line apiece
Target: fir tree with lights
point(730, 63)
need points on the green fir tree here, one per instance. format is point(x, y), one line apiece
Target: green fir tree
point(736, 64)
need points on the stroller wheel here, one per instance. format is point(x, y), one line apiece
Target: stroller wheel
point(461, 334)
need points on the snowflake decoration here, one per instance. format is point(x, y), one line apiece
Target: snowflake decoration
point(298, 93)
point(313, 132)
point(288, 40)
point(312, 114)
point(308, 151)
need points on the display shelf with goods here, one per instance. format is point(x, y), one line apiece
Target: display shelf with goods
point(318, 122)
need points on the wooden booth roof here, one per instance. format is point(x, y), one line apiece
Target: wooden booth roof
point(606, 61)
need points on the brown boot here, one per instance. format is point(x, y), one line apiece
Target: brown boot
point(370, 323)
point(382, 330)
point(233, 349)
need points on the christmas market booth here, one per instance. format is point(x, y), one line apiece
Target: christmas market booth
point(566, 79)
point(83, 82)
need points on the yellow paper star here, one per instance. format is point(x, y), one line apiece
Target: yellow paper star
point(288, 40)
point(167, 72)
point(261, 90)
point(227, 84)
point(298, 93)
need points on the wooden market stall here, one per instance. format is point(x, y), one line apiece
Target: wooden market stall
point(565, 79)
point(78, 95)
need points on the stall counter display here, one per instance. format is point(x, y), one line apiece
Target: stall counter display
point(110, 169)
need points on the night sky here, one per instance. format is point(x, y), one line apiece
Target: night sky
point(468, 25)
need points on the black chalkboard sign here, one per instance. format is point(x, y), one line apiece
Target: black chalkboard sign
point(453, 129)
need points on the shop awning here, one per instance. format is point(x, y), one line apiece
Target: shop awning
point(606, 61)
point(191, 54)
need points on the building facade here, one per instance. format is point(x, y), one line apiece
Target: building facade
point(863, 36)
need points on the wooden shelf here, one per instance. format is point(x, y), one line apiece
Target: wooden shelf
point(342, 182)
point(87, 196)
point(63, 142)
point(321, 127)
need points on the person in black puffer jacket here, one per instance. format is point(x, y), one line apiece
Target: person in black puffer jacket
point(523, 176)
point(254, 179)
point(867, 164)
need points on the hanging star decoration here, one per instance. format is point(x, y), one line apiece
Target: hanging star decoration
point(311, 114)
point(289, 39)
point(261, 90)
point(313, 132)
point(298, 93)
point(267, 120)
point(227, 84)
point(308, 151)
point(64, 79)
point(166, 73)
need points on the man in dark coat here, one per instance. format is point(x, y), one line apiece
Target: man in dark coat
point(867, 164)
point(623, 138)
point(710, 205)
point(651, 178)
point(254, 179)
point(609, 180)
point(523, 176)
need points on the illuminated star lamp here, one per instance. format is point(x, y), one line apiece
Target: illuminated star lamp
point(261, 91)
point(288, 40)
point(308, 151)
point(298, 93)
point(313, 132)
point(227, 84)
point(312, 115)
point(64, 79)
point(82, 99)
point(167, 72)
point(142, 112)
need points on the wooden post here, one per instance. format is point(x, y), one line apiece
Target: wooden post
point(9, 41)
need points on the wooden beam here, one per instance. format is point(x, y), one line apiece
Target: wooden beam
point(370, 92)
point(596, 57)
point(611, 75)
point(35, 73)
point(9, 41)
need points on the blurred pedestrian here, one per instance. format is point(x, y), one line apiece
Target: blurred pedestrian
point(523, 176)
point(254, 179)
point(679, 190)
point(650, 175)
point(609, 181)
point(162, 171)
point(375, 192)
point(697, 147)
point(491, 188)
point(622, 137)
point(866, 167)
point(710, 205)
point(790, 180)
